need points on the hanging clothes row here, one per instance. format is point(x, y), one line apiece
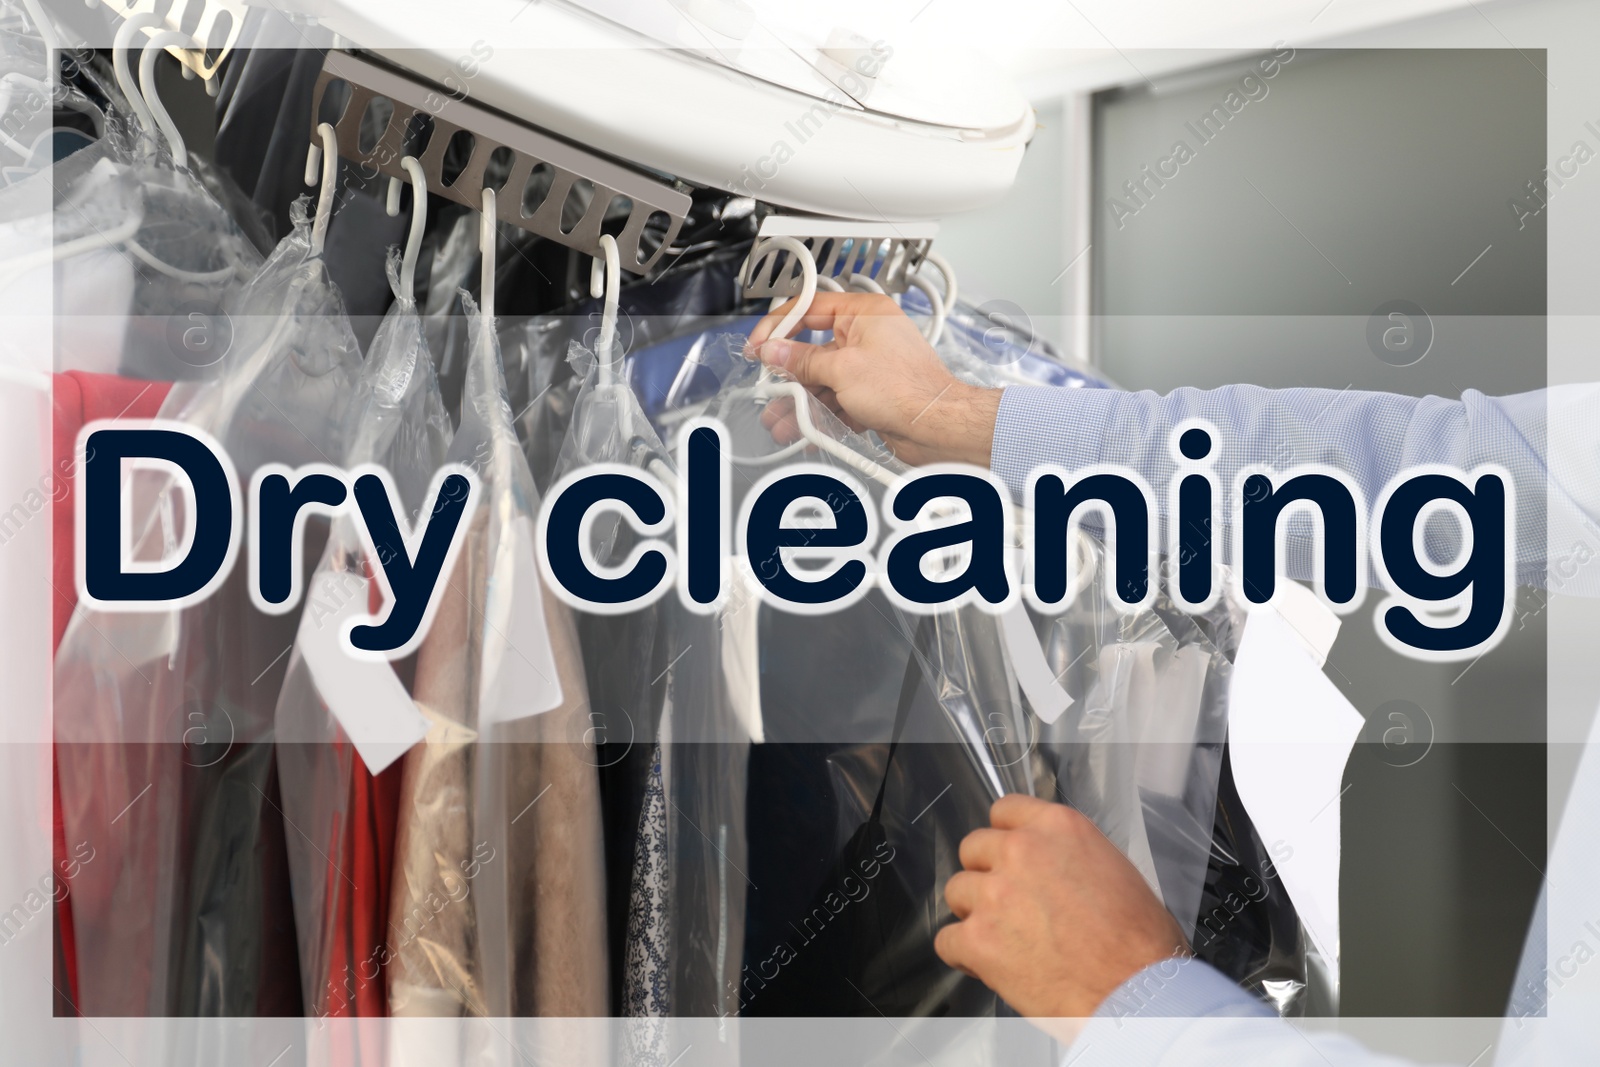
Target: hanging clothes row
point(657, 816)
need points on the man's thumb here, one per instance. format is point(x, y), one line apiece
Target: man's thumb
point(807, 364)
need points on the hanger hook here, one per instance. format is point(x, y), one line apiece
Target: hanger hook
point(153, 50)
point(860, 283)
point(119, 63)
point(328, 152)
point(486, 241)
point(605, 280)
point(808, 282)
point(947, 303)
point(810, 433)
point(948, 272)
point(936, 308)
point(419, 220)
point(42, 23)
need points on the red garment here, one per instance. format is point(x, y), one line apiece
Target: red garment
point(80, 398)
point(356, 984)
point(356, 966)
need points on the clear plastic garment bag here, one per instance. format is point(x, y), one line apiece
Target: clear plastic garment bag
point(498, 897)
point(152, 247)
point(344, 789)
point(886, 739)
point(1141, 750)
point(165, 720)
point(542, 815)
point(668, 694)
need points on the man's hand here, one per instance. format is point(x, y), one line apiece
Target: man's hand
point(1051, 916)
point(878, 373)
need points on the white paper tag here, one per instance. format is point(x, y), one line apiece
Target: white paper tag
point(1167, 737)
point(519, 662)
point(1313, 622)
point(1045, 695)
point(1290, 732)
point(371, 705)
point(741, 652)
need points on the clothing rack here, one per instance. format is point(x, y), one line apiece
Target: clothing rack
point(314, 897)
point(216, 23)
point(421, 126)
point(841, 248)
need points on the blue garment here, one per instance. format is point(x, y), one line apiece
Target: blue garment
point(1185, 1013)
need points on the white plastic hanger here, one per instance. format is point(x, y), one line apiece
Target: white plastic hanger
point(810, 434)
point(152, 115)
point(142, 97)
point(810, 283)
point(13, 268)
point(419, 221)
point(486, 243)
point(42, 23)
point(327, 156)
point(940, 305)
point(605, 283)
point(808, 279)
point(124, 234)
point(153, 50)
point(120, 46)
point(936, 308)
point(863, 284)
point(948, 273)
point(59, 95)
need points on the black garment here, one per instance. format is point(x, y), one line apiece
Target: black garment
point(1249, 929)
point(263, 134)
point(848, 930)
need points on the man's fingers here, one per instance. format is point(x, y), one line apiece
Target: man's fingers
point(779, 419)
point(840, 312)
point(961, 892)
point(980, 850)
point(828, 311)
point(769, 322)
point(954, 946)
point(811, 365)
point(1015, 810)
point(776, 411)
point(830, 400)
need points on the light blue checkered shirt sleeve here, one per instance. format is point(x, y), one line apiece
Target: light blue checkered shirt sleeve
point(1186, 1014)
point(1370, 436)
